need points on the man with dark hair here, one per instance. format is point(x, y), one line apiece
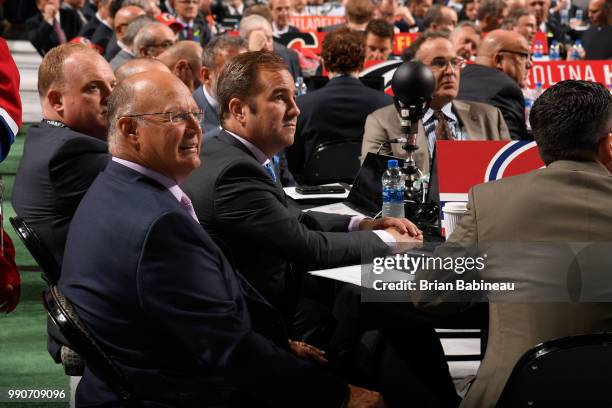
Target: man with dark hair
point(466, 39)
point(337, 111)
point(214, 55)
point(418, 9)
point(378, 40)
point(523, 22)
point(238, 199)
point(440, 18)
point(122, 19)
point(497, 77)
point(491, 14)
point(597, 40)
point(52, 26)
point(572, 123)
point(177, 319)
point(446, 119)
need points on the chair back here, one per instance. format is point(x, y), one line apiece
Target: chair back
point(570, 371)
point(72, 327)
point(332, 162)
point(42, 255)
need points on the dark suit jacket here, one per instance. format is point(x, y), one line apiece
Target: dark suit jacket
point(201, 31)
point(210, 121)
point(335, 112)
point(102, 36)
point(597, 42)
point(247, 214)
point(89, 29)
point(57, 168)
point(171, 310)
point(112, 48)
point(489, 85)
point(41, 34)
point(290, 57)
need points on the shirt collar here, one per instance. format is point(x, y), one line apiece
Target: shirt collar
point(184, 23)
point(446, 109)
point(212, 101)
point(259, 155)
point(167, 182)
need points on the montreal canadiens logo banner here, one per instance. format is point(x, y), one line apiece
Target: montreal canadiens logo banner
point(462, 165)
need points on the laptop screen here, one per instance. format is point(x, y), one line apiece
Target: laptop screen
point(366, 193)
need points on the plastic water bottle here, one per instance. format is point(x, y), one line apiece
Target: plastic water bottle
point(576, 50)
point(579, 16)
point(393, 188)
point(528, 105)
point(564, 17)
point(300, 86)
point(554, 54)
point(538, 50)
point(537, 91)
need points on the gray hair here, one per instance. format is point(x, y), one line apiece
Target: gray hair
point(145, 37)
point(466, 23)
point(218, 45)
point(252, 22)
point(120, 103)
point(134, 27)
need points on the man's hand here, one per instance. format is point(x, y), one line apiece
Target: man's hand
point(49, 11)
point(402, 225)
point(257, 40)
point(364, 398)
point(405, 14)
point(307, 352)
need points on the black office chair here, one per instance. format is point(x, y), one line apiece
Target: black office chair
point(43, 257)
point(570, 371)
point(332, 162)
point(64, 316)
point(71, 361)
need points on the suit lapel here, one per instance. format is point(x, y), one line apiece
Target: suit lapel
point(470, 122)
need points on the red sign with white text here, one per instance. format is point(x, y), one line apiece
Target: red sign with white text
point(549, 73)
point(311, 23)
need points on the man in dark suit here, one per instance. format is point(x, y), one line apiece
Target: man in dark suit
point(52, 26)
point(546, 22)
point(337, 111)
point(214, 55)
point(238, 199)
point(281, 11)
point(195, 27)
point(176, 317)
point(597, 39)
point(64, 153)
point(102, 13)
point(500, 71)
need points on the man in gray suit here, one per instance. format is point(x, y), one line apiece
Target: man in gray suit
point(447, 117)
point(214, 55)
point(544, 213)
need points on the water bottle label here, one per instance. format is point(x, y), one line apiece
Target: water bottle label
point(393, 195)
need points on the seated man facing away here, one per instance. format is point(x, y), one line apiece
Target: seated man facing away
point(157, 293)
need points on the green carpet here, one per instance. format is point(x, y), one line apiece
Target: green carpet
point(24, 361)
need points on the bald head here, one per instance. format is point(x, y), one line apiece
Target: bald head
point(499, 40)
point(184, 59)
point(138, 65)
point(507, 51)
point(168, 142)
point(125, 16)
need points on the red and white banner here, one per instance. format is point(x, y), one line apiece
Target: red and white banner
point(548, 73)
point(312, 23)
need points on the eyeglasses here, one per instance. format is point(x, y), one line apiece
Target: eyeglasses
point(173, 117)
point(441, 63)
point(525, 55)
point(164, 45)
point(188, 2)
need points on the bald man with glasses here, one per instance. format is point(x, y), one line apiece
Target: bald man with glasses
point(447, 117)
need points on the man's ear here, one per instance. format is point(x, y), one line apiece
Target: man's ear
point(604, 153)
point(206, 76)
point(237, 110)
point(128, 128)
point(56, 101)
point(497, 60)
point(181, 69)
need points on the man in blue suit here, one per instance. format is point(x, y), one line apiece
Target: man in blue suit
point(157, 293)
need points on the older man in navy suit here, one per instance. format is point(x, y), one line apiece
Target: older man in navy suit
point(158, 294)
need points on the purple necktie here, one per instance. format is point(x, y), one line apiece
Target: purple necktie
point(186, 203)
point(61, 35)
